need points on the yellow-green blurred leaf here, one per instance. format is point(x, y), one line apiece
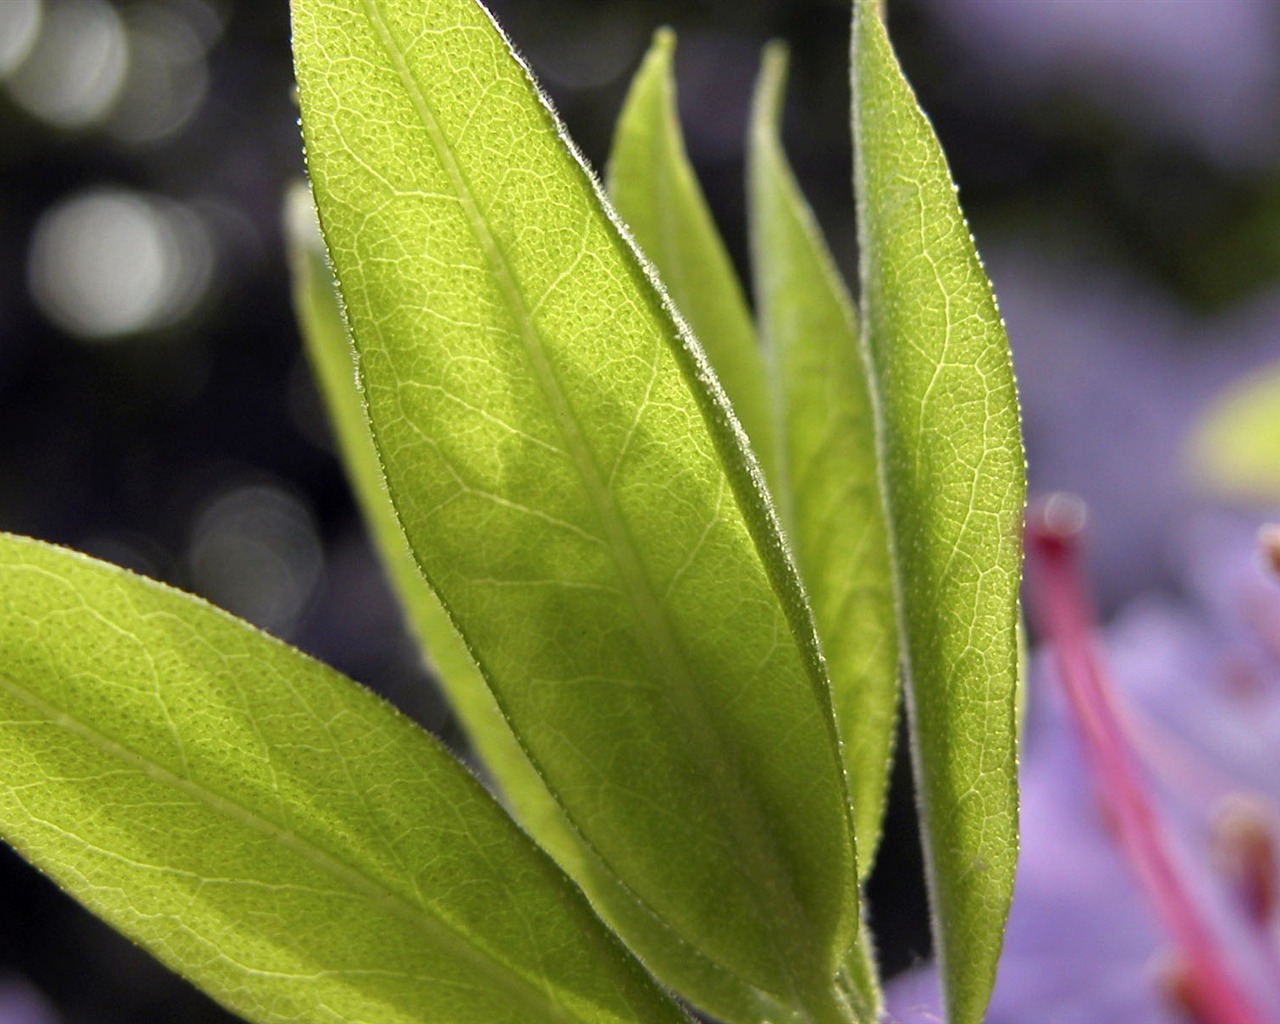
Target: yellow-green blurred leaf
point(1233, 450)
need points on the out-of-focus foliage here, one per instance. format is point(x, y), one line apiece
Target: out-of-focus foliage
point(1234, 451)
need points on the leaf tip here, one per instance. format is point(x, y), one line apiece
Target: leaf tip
point(771, 87)
point(664, 42)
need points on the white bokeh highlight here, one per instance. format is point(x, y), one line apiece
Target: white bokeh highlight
point(107, 263)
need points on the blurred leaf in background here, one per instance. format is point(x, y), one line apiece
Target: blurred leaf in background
point(1234, 450)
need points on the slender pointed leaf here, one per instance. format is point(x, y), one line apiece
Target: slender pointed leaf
point(575, 490)
point(655, 189)
point(828, 487)
point(332, 358)
point(268, 828)
point(955, 488)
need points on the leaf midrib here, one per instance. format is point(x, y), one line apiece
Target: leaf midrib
point(651, 612)
point(439, 929)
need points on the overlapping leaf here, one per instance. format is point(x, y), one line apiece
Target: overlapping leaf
point(333, 363)
point(268, 828)
point(828, 486)
point(575, 490)
point(331, 356)
point(954, 473)
point(656, 191)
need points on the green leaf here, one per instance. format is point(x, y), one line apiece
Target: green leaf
point(574, 489)
point(332, 358)
point(269, 829)
point(828, 487)
point(952, 453)
point(1233, 450)
point(654, 188)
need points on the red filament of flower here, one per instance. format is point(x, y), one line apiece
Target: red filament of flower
point(1065, 617)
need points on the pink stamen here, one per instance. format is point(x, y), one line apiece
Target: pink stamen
point(1065, 617)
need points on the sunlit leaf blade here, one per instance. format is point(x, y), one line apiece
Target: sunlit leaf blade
point(574, 489)
point(827, 488)
point(1234, 449)
point(333, 361)
point(656, 191)
point(268, 828)
point(332, 358)
point(955, 488)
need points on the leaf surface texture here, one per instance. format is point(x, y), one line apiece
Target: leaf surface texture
point(268, 828)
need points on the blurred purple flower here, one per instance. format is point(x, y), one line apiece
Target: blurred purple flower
point(21, 1004)
point(1148, 888)
point(1199, 71)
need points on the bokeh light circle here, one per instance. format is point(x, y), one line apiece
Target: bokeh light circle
point(72, 71)
point(106, 263)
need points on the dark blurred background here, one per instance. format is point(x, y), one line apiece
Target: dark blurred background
point(1119, 161)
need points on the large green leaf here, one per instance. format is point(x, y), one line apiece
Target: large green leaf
point(656, 191)
point(332, 358)
point(828, 486)
point(575, 489)
point(268, 828)
point(955, 485)
point(333, 362)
